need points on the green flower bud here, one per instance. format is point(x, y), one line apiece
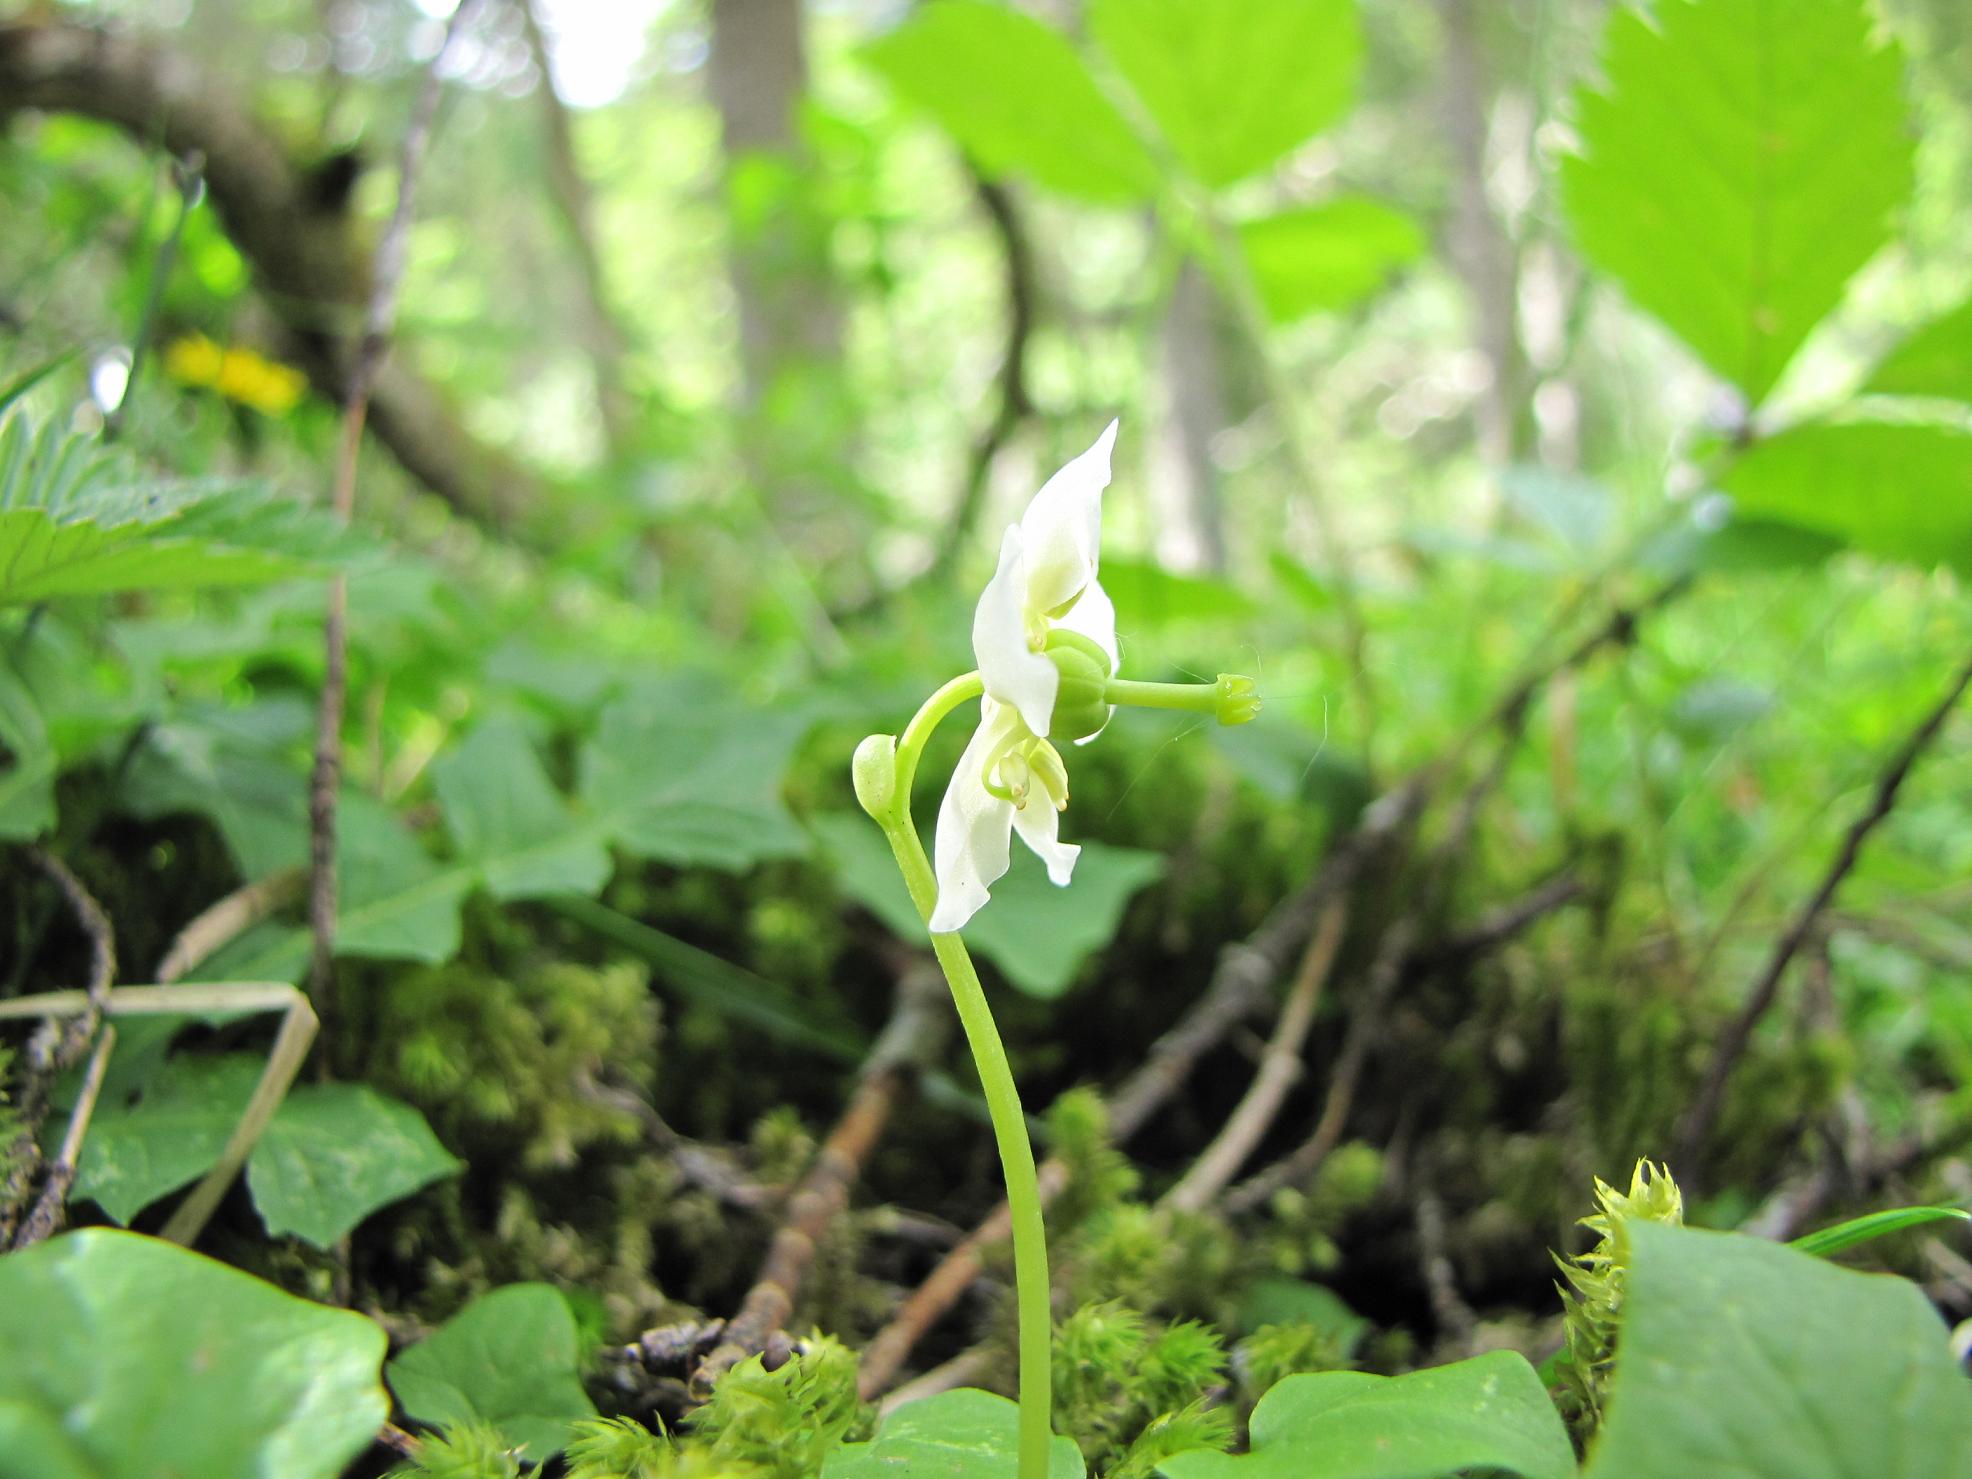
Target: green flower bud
point(874, 770)
point(1080, 707)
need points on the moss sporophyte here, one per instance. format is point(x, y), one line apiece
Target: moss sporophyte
point(1044, 637)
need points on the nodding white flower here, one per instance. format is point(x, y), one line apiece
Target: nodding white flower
point(1042, 620)
point(1046, 582)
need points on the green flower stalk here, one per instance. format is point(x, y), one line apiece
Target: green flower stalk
point(1044, 635)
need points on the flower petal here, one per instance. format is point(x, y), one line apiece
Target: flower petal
point(1094, 616)
point(1062, 528)
point(974, 826)
point(1013, 672)
point(1039, 826)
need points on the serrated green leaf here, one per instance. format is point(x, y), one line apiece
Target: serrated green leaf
point(685, 775)
point(154, 1360)
point(1037, 934)
point(1740, 162)
point(507, 819)
point(1017, 97)
point(1740, 1356)
point(509, 1360)
point(1234, 84)
point(964, 1434)
point(1934, 361)
point(1892, 488)
point(1327, 257)
point(335, 1153)
point(72, 524)
point(1486, 1414)
point(1829, 1240)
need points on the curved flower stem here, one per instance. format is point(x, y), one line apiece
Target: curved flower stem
point(1030, 1248)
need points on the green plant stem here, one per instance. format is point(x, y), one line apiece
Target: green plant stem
point(1197, 698)
point(1030, 1246)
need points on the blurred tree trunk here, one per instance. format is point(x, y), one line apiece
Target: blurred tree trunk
point(1193, 535)
point(799, 412)
point(1479, 247)
point(600, 331)
point(758, 73)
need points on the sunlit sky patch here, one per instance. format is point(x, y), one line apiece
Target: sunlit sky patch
point(595, 45)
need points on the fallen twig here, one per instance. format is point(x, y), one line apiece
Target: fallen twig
point(283, 1061)
point(917, 1027)
point(1279, 1067)
point(1385, 971)
point(1738, 1033)
point(51, 1206)
point(227, 919)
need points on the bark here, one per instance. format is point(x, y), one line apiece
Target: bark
point(757, 73)
point(313, 266)
point(1479, 247)
point(1194, 376)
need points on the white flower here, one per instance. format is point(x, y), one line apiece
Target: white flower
point(1046, 579)
point(1010, 777)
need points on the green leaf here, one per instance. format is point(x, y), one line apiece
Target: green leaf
point(685, 775)
point(964, 1434)
point(33, 1446)
point(1875, 1225)
point(1934, 361)
point(1037, 934)
point(332, 1154)
point(1488, 1413)
point(27, 778)
point(335, 1153)
point(509, 821)
point(1742, 160)
point(1234, 84)
point(71, 524)
point(510, 1360)
point(1017, 97)
point(162, 1131)
point(1739, 1356)
point(1575, 510)
point(1279, 1301)
point(154, 1360)
point(1155, 596)
point(1327, 257)
point(1898, 489)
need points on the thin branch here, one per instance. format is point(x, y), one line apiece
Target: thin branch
point(1738, 1033)
point(283, 1061)
point(51, 1206)
point(1279, 1067)
point(67, 1049)
point(917, 1027)
point(1366, 1021)
point(1014, 404)
point(704, 1167)
point(326, 776)
point(1497, 926)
